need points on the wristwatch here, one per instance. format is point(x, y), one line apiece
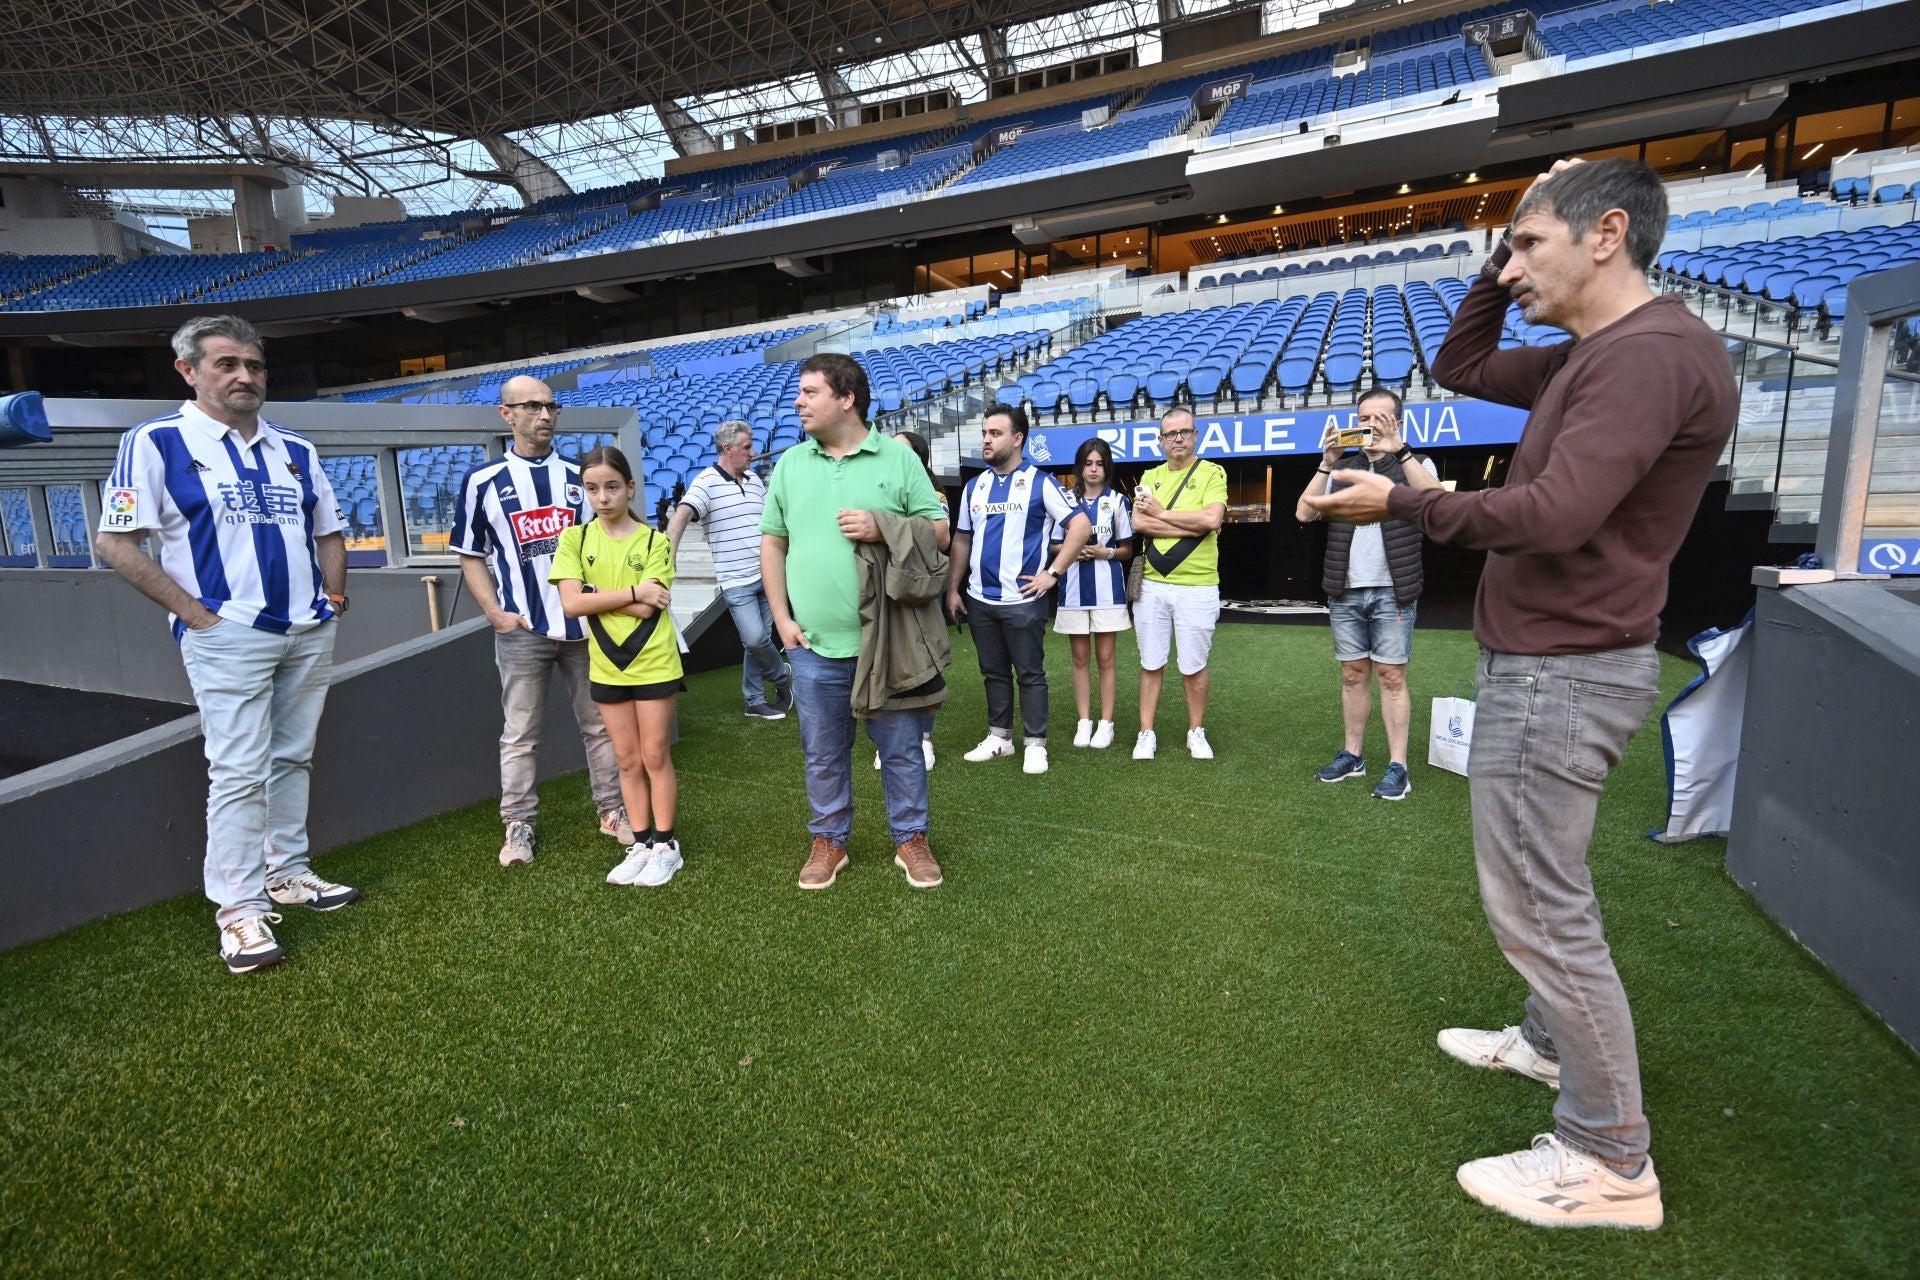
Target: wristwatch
point(339, 604)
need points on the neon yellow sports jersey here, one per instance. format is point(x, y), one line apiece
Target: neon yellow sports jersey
point(1186, 561)
point(624, 649)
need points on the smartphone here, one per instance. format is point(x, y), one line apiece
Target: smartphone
point(1346, 437)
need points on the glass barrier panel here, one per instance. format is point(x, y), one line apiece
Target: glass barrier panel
point(430, 486)
point(68, 517)
point(356, 485)
point(17, 547)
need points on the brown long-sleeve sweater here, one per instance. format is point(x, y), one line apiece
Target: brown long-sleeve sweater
point(1624, 430)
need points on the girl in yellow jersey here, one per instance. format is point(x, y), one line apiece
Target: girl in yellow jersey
point(617, 573)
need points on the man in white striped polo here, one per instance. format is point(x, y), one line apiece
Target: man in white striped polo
point(728, 498)
point(253, 571)
point(512, 512)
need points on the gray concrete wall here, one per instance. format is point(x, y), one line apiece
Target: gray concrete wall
point(409, 732)
point(1824, 835)
point(87, 629)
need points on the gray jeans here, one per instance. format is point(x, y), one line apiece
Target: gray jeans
point(1012, 644)
point(526, 663)
point(1546, 732)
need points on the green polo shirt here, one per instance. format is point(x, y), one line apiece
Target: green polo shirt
point(809, 490)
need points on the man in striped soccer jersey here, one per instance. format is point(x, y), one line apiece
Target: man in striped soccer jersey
point(1000, 543)
point(728, 499)
point(253, 570)
point(512, 512)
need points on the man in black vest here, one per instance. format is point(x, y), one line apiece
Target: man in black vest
point(1372, 579)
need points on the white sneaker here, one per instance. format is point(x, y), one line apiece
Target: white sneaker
point(247, 944)
point(309, 890)
point(1505, 1050)
point(659, 869)
point(1083, 734)
point(1552, 1185)
point(1197, 745)
point(926, 749)
point(1144, 745)
point(1102, 736)
point(990, 746)
point(517, 850)
point(638, 856)
point(876, 759)
point(1036, 761)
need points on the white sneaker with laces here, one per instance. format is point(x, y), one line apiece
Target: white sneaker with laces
point(1083, 733)
point(1143, 746)
point(991, 746)
point(1197, 745)
point(517, 849)
point(1505, 1050)
point(926, 750)
point(310, 891)
point(1554, 1185)
point(665, 861)
point(1036, 758)
point(247, 944)
point(1102, 736)
point(638, 856)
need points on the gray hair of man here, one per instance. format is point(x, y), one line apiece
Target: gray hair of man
point(1583, 193)
point(190, 339)
point(730, 431)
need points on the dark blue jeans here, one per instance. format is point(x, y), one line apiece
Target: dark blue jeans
point(823, 696)
point(1011, 640)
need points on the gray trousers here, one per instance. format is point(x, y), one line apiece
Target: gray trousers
point(1546, 732)
point(526, 663)
point(1012, 643)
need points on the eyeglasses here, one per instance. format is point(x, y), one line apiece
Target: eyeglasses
point(538, 406)
point(1177, 435)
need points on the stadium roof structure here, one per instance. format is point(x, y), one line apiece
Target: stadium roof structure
point(406, 97)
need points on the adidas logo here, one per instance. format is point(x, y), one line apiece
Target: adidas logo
point(200, 466)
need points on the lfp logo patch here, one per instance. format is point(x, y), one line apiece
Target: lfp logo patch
point(121, 509)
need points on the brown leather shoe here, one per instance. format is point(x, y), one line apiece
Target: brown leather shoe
point(914, 858)
point(823, 864)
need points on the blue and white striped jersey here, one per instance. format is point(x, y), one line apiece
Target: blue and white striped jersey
point(236, 519)
point(1011, 518)
point(513, 510)
point(1101, 584)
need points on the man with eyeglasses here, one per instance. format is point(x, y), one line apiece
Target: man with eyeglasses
point(1372, 577)
point(1178, 510)
point(728, 499)
point(508, 524)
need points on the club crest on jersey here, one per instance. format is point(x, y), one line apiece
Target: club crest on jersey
point(573, 495)
point(537, 532)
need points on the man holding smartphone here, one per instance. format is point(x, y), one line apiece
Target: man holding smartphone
point(1372, 577)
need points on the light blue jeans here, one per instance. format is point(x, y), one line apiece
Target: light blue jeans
point(1546, 732)
point(823, 694)
point(260, 697)
point(760, 661)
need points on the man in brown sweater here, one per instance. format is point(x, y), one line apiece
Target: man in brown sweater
point(1626, 424)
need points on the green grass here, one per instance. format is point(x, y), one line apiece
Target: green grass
point(1162, 1019)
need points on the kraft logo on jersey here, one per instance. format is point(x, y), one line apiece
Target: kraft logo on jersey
point(538, 531)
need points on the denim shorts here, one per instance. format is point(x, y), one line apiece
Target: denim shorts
point(1371, 623)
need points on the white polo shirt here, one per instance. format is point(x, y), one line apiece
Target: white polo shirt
point(236, 519)
point(729, 510)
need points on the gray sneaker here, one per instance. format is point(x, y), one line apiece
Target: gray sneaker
point(518, 849)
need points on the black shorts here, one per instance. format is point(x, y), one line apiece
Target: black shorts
point(634, 692)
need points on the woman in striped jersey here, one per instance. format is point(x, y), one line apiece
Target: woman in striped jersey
point(1093, 595)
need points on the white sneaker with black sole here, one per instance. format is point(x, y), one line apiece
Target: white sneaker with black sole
point(1554, 1185)
point(639, 854)
point(310, 891)
point(248, 944)
point(1504, 1050)
point(660, 868)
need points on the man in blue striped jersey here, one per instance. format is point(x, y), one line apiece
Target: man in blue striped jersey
point(253, 570)
point(1001, 538)
point(512, 512)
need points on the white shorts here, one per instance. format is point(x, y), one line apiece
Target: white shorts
point(1080, 622)
point(1167, 613)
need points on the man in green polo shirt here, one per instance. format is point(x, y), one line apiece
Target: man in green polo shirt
point(821, 500)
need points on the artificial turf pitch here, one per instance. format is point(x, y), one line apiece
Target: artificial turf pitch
point(1163, 1019)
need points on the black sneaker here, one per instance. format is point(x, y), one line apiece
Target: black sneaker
point(761, 711)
